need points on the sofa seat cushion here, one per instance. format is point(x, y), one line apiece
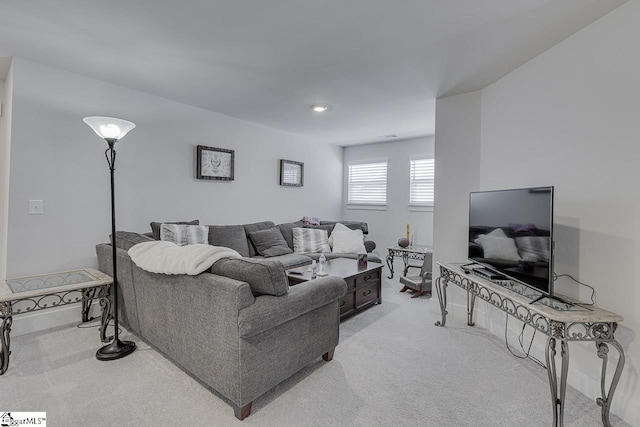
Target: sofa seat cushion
point(270, 242)
point(267, 312)
point(264, 276)
point(230, 236)
point(292, 260)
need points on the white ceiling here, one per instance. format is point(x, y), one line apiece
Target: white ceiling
point(379, 64)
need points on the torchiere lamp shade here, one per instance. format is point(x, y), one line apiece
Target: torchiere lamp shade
point(109, 128)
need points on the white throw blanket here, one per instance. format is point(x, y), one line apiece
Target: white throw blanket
point(169, 258)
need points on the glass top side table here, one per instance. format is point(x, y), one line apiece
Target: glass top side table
point(414, 252)
point(33, 293)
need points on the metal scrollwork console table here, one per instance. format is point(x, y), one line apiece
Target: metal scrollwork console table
point(28, 294)
point(559, 321)
point(414, 252)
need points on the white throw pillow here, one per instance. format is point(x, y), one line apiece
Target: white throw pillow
point(183, 235)
point(348, 242)
point(310, 240)
point(502, 248)
point(337, 227)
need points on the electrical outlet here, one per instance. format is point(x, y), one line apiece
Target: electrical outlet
point(35, 207)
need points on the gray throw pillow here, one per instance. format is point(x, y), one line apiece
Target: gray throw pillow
point(269, 242)
point(256, 226)
point(155, 226)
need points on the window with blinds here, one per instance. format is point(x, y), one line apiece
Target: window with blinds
point(367, 183)
point(421, 182)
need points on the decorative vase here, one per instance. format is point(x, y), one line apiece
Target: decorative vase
point(403, 243)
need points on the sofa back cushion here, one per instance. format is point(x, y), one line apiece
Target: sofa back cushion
point(155, 226)
point(269, 242)
point(287, 231)
point(256, 226)
point(265, 277)
point(353, 225)
point(127, 239)
point(230, 236)
point(327, 227)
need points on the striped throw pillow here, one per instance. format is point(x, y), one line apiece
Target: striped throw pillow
point(183, 235)
point(310, 240)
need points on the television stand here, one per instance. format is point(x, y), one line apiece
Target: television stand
point(553, 297)
point(568, 323)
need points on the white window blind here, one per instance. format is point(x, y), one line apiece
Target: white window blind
point(368, 183)
point(421, 182)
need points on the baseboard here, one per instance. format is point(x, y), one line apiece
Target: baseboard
point(46, 319)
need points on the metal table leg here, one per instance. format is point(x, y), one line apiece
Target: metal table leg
point(558, 391)
point(6, 314)
point(471, 302)
point(441, 289)
point(87, 300)
point(390, 263)
point(605, 400)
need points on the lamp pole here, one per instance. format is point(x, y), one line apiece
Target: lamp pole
point(111, 130)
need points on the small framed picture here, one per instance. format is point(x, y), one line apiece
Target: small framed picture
point(291, 173)
point(214, 163)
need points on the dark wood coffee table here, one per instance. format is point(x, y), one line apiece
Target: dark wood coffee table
point(364, 284)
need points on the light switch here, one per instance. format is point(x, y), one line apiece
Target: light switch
point(35, 207)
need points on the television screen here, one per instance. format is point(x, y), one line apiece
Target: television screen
point(511, 233)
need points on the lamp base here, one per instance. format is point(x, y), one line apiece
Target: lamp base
point(116, 350)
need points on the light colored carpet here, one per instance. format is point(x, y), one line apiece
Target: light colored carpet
point(393, 367)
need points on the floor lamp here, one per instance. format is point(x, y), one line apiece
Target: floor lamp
point(112, 130)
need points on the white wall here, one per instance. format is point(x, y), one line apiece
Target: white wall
point(387, 226)
point(55, 157)
point(6, 95)
point(569, 118)
point(457, 154)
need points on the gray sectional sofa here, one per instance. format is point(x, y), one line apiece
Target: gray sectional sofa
point(237, 237)
point(238, 328)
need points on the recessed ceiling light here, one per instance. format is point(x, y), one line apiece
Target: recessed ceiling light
point(319, 108)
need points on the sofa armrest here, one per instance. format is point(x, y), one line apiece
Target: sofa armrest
point(270, 311)
point(369, 245)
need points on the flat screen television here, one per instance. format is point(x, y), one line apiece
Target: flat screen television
point(511, 234)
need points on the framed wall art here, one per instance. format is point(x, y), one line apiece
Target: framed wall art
point(214, 163)
point(291, 173)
